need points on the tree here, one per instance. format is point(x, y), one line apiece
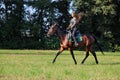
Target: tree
point(23, 28)
point(101, 17)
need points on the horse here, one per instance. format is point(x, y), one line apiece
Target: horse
point(87, 41)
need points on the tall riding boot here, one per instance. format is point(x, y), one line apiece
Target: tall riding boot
point(73, 35)
point(76, 44)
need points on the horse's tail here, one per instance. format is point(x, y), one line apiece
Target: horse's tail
point(98, 45)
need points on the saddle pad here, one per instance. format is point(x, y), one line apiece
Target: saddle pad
point(78, 37)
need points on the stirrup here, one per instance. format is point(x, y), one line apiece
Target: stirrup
point(76, 44)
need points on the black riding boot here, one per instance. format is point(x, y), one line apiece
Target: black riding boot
point(75, 41)
point(73, 36)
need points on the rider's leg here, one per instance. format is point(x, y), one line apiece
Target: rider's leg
point(73, 35)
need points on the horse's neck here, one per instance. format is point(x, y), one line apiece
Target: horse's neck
point(61, 35)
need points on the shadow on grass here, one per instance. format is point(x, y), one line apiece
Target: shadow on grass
point(26, 54)
point(112, 63)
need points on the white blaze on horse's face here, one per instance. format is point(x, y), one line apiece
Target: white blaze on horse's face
point(52, 30)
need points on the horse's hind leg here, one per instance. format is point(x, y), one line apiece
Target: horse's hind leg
point(60, 51)
point(94, 54)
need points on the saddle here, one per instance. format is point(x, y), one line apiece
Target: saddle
point(78, 36)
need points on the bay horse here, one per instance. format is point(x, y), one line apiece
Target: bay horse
point(87, 41)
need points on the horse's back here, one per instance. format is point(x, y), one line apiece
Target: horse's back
point(88, 39)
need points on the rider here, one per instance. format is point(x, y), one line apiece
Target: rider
point(73, 24)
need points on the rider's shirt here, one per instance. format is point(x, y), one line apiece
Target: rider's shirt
point(73, 22)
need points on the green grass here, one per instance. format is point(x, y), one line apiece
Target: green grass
point(36, 65)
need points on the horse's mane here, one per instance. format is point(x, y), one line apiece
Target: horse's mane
point(63, 31)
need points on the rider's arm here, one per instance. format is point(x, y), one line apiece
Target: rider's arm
point(80, 15)
point(78, 20)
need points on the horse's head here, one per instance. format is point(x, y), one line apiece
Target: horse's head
point(53, 29)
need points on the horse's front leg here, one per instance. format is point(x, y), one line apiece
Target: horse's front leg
point(60, 51)
point(87, 54)
point(71, 51)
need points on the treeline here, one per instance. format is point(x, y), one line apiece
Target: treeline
point(24, 23)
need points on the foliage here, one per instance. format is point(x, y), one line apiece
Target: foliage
point(101, 18)
point(24, 23)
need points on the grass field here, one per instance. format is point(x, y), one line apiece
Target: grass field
point(36, 65)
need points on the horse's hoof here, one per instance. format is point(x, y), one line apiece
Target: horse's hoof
point(82, 62)
point(75, 63)
point(53, 62)
point(97, 63)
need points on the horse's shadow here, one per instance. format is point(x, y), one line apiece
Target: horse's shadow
point(112, 63)
point(115, 63)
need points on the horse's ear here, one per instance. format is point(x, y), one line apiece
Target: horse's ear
point(50, 24)
point(56, 24)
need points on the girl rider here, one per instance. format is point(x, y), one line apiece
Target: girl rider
point(73, 24)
